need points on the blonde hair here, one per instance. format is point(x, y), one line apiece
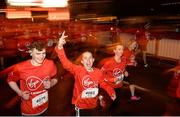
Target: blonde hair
point(131, 41)
point(113, 46)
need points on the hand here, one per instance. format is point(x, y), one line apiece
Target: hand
point(135, 64)
point(102, 102)
point(47, 84)
point(62, 40)
point(116, 80)
point(100, 97)
point(25, 95)
point(126, 74)
point(119, 79)
point(113, 97)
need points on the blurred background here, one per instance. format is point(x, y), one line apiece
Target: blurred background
point(95, 25)
point(90, 21)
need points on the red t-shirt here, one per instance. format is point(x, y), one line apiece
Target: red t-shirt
point(142, 40)
point(112, 70)
point(177, 76)
point(173, 89)
point(85, 92)
point(130, 57)
point(31, 79)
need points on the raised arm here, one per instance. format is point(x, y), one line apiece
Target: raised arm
point(62, 56)
point(62, 41)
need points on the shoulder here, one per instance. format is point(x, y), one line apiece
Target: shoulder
point(21, 65)
point(107, 60)
point(97, 71)
point(124, 59)
point(48, 61)
point(126, 51)
point(24, 63)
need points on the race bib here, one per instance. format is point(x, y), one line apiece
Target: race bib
point(40, 99)
point(120, 77)
point(90, 93)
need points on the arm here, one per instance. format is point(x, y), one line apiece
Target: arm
point(53, 82)
point(102, 65)
point(54, 75)
point(49, 83)
point(62, 56)
point(13, 77)
point(108, 89)
point(24, 94)
point(6, 71)
point(108, 79)
point(15, 87)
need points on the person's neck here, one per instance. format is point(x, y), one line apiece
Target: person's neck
point(117, 59)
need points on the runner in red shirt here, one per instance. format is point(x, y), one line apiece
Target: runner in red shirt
point(130, 54)
point(177, 75)
point(173, 90)
point(142, 40)
point(36, 76)
point(87, 79)
point(115, 69)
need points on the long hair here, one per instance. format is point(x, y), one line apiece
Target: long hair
point(131, 41)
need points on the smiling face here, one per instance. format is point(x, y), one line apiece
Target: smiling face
point(119, 50)
point(38, 56)
point(87, 60)
point(38, 52)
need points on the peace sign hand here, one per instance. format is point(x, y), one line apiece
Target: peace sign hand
point(62, 40)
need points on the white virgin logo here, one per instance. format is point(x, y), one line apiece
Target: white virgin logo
point(32, 84)
point(117, 72)
point(87, 82)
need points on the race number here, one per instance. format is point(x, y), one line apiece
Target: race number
point(90, 93)
point(40, 99)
